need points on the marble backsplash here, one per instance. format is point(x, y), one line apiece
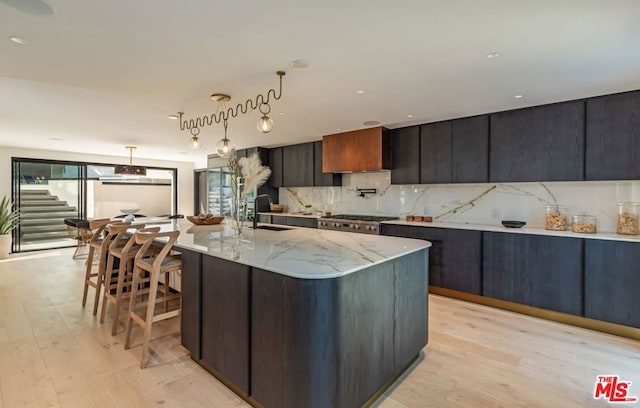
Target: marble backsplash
point(485, 203)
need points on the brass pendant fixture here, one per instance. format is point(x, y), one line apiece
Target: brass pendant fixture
point(130, 170)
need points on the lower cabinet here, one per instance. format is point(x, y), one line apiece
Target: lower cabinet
point(612, 281)
point(190, 320)
point(534, 270)
point(225, 325)
point(454, 256)
point(293, 221)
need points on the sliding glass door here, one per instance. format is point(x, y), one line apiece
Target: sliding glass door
point(46, 192)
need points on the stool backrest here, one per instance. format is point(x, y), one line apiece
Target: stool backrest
point(146, 237)
point(123, 231)
point(97, 226)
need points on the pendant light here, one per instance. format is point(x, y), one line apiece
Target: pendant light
point(224, 147)
point(195, 142)
point(130, 170)
point(265, 123)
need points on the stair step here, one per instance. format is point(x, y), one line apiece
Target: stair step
point(34, 192)
point(51, 214)
point(32, 222)
point(46, 209)
point(44, 235)
point(27, 229)
point(38, 198)
point(42, 203)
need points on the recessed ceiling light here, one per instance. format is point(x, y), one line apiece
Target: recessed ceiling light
point(281, 113)
point(409, 116)
point(371, 123)
point(339, 129)
point(18, 40)
point(360, 91)
point(173, 117)
point(57, 139)
point(493, 55)
point(299, 63)
point(518, 96)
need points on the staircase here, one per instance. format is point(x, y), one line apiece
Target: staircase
point(42, 216)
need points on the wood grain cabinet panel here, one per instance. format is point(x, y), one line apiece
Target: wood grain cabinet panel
point(405, 155)
point(320, 178)
point(358, 150)
point(534, 270)
point(470, 150)
point(543, 143)
point(275, 164)
point(225, 319)
point(191, 313)
point(612, 281)
point(613, 137)
point(435, 153)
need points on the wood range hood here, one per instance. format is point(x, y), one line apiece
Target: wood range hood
point(359, 150)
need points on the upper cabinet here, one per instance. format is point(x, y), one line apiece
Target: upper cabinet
point(613, 137)
point(359, 150)
point(275, 164)
point(454, 151)
point(320, 178)
point(405, 155)
point(297, 165)
point(543, 143)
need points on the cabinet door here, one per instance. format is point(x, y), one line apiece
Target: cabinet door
point(533, 270)
point(279, 219)
point(613, 135)
point(320, 178)
point(305, 164)
point(544, 143)
point(190, 287)
point(302, 222)
point(470, 150)
point(225, 319)
point(275, 164)
point(435, 153)
point(612, 279)
point(405, 155)
point(290, 169)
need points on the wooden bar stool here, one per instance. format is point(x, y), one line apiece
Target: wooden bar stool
point(123, 246)
point(101, 244)
point(147, 271)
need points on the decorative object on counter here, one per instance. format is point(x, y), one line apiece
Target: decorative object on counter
point(205, 219)
point(513, 224)
point(9, 219)
point(628, 218)
point(130, 169)
point(327, 213)
point(308, 210)
point(584, 223)
point(129, 214)
point(363, 191)
point(246, 174)
point(409, 218)
point(417, 218)
point(427, 218)
point(556, 217)
point(277, 208)
point(223, 113)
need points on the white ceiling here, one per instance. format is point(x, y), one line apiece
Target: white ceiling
point(105, 74)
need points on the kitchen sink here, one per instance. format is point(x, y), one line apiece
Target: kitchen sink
point(272, 228)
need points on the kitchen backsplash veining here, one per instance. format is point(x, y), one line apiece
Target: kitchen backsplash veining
point(486, 203)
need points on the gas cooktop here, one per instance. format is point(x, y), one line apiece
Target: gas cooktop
point(355, 217)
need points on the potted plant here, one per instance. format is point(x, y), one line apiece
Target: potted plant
point(9, 219)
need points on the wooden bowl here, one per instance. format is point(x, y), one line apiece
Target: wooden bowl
point(210, 219)
point(277, 208)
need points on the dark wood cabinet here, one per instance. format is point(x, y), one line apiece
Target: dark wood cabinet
point(191, 314)
point(279, 219)
point(225, 325)
point(470, 150)
point(405, 155)
point(612, 280)
point(297, 165)
point(534, 270)
point(320, 178)
point(302, 222)
point(454, 256)
point(435, 153)
point(613, 137)
point(275, 164)
point(543, 143)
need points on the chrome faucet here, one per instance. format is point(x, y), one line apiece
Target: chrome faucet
point(255, 208)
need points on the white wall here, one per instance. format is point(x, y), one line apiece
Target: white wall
point(109, 199)
point(185, 169)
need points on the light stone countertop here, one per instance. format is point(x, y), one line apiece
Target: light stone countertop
point(305, 253)
point(610, 236)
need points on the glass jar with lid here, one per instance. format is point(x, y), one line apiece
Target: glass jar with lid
point(628, 218)
point(584, 223)
point(556, 217)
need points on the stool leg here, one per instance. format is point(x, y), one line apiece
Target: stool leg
point(132, 304)
point(122, 276)
point(151, 303)
point(99, 281)
point(107, 279)
point(166, 291)
point(87, 275)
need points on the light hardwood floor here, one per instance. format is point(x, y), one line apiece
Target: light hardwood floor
point(55, 353)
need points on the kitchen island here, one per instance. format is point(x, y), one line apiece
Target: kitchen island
point(302, 317)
